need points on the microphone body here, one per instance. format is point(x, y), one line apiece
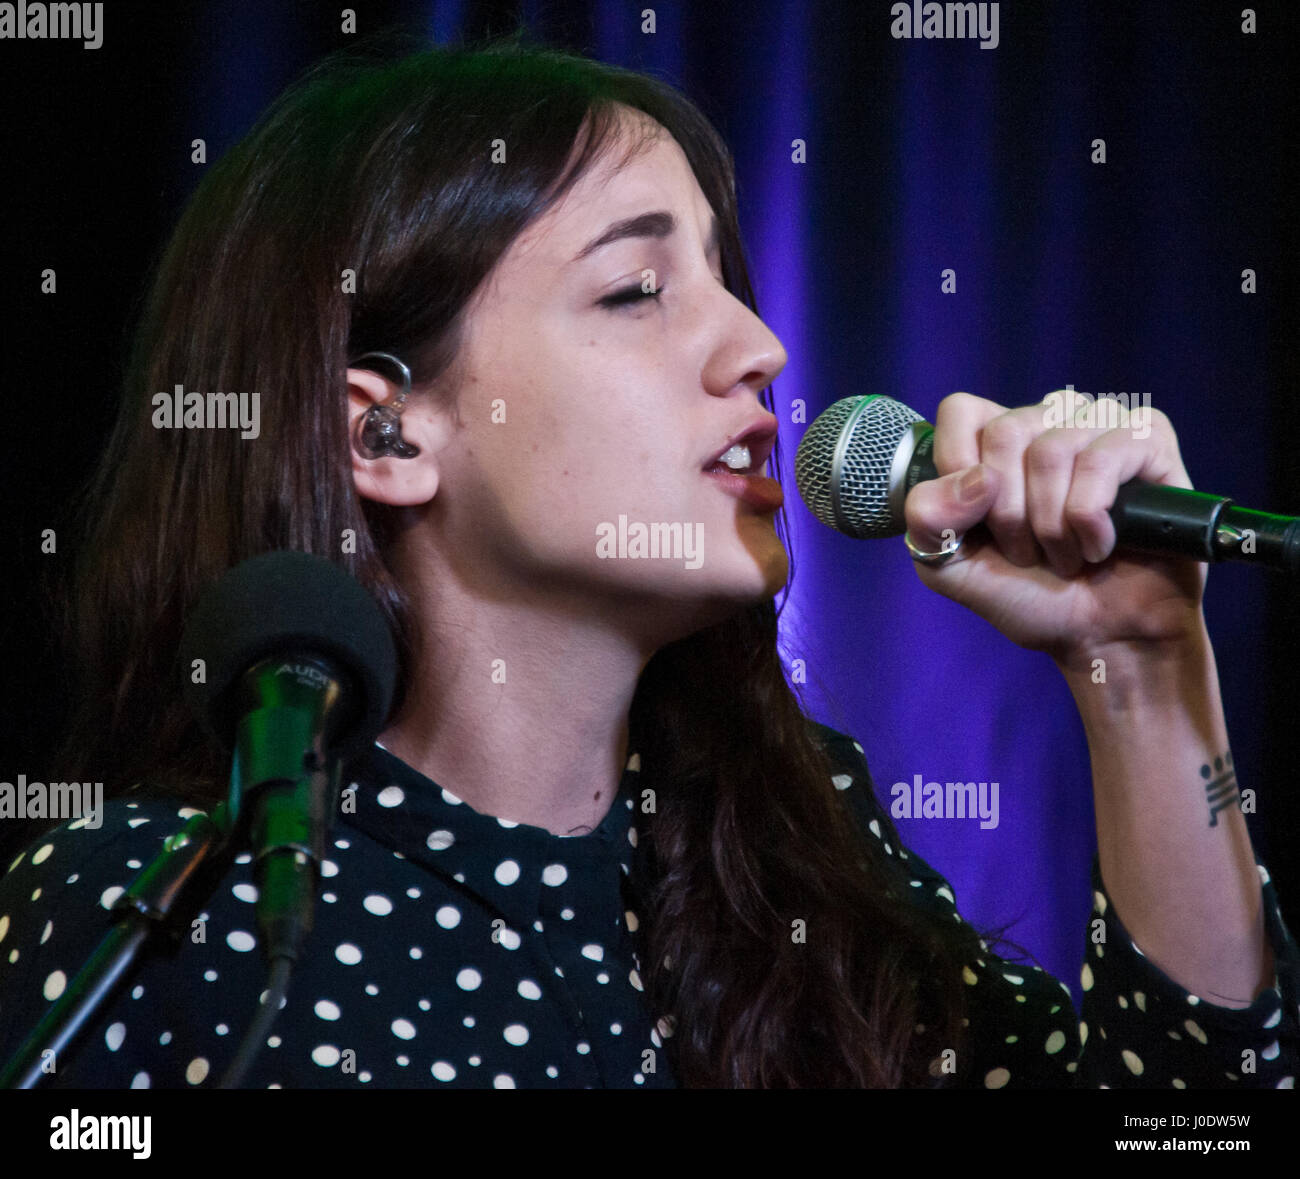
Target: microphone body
point(284, 785)
point(859, 459)
point(300, 670)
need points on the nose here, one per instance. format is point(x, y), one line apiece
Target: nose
point(748, 352)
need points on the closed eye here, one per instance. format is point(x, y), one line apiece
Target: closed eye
point(631, 295)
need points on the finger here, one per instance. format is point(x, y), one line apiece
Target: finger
point(957, 424)
point(1110, 459)
point(1049, 474)
point(1003, 443)
point(939, 512)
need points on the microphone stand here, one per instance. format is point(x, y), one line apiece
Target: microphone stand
point(158, 901)
point(284, 786)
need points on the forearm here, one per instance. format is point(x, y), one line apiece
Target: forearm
point(1185, 887)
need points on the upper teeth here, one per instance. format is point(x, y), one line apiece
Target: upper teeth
point(737, 458)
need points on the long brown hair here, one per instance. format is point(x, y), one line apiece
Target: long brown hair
point(379, 165)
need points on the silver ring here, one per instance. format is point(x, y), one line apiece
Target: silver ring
point(939, 558)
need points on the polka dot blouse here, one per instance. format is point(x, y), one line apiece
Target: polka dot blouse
point(452, 948)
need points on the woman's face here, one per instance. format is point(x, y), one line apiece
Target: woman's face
point(574, 412)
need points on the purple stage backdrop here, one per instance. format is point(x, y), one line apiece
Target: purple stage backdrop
point(869, 165)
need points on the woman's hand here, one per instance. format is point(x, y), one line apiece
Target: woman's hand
point(1181, 875)
point(1049, 578)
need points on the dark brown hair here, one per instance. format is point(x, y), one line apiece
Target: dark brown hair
point(381, 165)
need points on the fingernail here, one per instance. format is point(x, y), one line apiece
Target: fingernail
point(971, 485)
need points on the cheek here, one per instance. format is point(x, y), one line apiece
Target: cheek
point(578, 447)
point(605, 480)
point(560, 476)
point(597, 459)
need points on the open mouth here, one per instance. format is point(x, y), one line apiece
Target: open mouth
point(736, 460)
point(740, 478)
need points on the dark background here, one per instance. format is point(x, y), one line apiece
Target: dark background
point(921, 155)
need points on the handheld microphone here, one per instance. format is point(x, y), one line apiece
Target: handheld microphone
point(858, 460)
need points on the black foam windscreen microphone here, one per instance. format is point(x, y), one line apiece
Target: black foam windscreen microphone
point(290, 663)
point(859, 458)
point(289, 605)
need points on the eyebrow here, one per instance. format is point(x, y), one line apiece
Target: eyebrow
point(659, 224)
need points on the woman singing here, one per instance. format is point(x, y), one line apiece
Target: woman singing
point(492, 301)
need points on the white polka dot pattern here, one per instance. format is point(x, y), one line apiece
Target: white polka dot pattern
point(453, 948)
point(1142, 1037)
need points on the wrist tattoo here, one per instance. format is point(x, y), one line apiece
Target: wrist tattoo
point(1220, 786)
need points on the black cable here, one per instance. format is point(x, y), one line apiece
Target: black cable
point(276, 987)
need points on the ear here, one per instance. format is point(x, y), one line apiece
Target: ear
point(402, 482)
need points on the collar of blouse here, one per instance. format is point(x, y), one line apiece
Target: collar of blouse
point(503, 861)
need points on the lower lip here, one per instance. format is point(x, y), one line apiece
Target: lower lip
point(758, 491)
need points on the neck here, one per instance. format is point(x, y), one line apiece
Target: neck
point(518, 705)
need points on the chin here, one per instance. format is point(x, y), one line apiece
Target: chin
point(767, 562)
point(752, 575)
point(681, 597)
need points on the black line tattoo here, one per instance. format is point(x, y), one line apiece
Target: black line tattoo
point(1220, 786)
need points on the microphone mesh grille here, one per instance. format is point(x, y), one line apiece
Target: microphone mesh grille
point(862, 482)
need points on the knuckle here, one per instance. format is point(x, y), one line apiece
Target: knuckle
point(1093, 461)
point(1049, 452)
point(1007, 434)
point(965, 411)
point(958, 403)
